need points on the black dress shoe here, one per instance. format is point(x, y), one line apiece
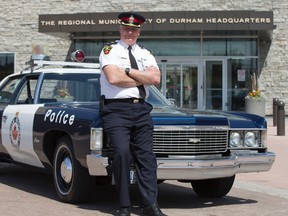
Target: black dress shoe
point(152, 210)
point(123, 212)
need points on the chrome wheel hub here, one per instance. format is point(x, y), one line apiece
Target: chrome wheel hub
point(66, 170)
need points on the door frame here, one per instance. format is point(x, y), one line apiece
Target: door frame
point(181, 62)
point(200, 63)
point(224, 82)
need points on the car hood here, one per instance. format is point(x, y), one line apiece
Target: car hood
point(169, 115)
point(178, 116)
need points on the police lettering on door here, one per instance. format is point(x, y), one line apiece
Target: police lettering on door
point(59, 117)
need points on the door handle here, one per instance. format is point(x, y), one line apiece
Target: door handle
point(4, 118)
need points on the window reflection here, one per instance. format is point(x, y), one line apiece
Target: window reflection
point(230, 47)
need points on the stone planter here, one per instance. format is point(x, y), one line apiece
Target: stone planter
point(255, 106)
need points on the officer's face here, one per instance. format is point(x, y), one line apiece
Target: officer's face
point(129, 34)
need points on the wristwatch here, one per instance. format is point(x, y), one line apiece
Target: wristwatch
point(127, 71)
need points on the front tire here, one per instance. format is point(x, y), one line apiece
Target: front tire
point(213, 188)
point(72, 182)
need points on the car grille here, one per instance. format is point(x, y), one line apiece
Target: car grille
point(189, 141)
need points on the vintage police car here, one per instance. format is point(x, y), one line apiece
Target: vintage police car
point(50, 120)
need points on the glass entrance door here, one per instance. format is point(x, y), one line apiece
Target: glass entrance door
point(180, 84)
point(215, 96)
point(189, 87)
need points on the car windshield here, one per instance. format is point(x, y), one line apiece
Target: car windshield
point(83, 88)
point(156, 98)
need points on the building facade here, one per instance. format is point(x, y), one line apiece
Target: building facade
point(208, 51)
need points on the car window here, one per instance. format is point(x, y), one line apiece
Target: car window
point(26, 93)
point(70, 87)
point(8, 89)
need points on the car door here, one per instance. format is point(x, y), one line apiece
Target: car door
point(17, 122)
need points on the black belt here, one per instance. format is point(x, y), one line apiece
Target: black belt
point(124, 100)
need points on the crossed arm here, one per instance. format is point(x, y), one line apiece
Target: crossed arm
point(117, 76)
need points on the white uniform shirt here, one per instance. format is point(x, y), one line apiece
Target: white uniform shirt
point(117, 54)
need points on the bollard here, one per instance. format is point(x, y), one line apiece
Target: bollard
point(281, 119)
point(275, 107)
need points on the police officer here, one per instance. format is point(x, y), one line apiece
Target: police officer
point(126, 71)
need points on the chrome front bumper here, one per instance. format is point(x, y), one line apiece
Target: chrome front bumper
point(196, 169)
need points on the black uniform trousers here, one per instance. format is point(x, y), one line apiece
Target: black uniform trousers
point(127, 123)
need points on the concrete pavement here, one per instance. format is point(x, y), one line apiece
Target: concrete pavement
point(275, 181)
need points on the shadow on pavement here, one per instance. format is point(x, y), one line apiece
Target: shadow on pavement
point(172, 194)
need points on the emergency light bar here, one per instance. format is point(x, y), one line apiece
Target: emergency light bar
point(40, 60)
point(71, 64)
point(40, 57)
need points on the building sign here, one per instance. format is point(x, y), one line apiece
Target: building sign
point(161, 21)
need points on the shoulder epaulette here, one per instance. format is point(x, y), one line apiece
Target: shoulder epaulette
point(142, 47)
point(111, 43)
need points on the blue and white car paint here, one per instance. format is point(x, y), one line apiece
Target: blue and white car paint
point(50, 120)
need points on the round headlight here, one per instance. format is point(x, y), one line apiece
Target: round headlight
point(250, 139)
point(235, 140)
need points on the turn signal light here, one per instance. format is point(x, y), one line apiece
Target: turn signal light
point(78, 56)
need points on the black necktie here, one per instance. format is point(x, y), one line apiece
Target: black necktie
point(134, 65)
